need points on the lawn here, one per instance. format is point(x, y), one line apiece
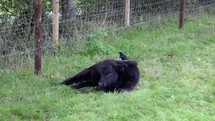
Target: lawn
point(177, 80)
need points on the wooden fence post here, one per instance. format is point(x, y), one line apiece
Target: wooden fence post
point(55, 23)
point(127, 13)
point(38, 48)
point(181, 14)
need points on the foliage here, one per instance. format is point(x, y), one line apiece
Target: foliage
point(95, 45)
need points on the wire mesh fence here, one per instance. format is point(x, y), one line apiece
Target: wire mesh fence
point(17, 31)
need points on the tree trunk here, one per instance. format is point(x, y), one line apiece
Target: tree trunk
point(38, 48)
point(69, 18)
point(69, 10)
point(55, 23)
point(127, 13)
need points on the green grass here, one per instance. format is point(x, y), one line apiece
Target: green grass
point(177, 78)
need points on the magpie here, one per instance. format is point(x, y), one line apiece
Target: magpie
point(123, 56)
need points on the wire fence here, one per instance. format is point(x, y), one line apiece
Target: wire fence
point(17, 32)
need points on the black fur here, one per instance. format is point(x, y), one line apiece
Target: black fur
point(107, 75)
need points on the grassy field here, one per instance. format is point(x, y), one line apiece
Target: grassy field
point(177, 78)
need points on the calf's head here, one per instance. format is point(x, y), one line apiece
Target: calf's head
point(108, 76)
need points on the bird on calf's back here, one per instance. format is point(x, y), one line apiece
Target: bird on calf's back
point(122, 56)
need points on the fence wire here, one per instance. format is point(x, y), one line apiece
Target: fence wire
point(17, 32)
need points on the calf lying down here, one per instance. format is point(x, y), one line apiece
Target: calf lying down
point(107, 76)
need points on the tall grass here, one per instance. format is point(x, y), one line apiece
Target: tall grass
point(177, 77)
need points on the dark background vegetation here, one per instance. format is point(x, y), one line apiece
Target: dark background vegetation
point(79, 21)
